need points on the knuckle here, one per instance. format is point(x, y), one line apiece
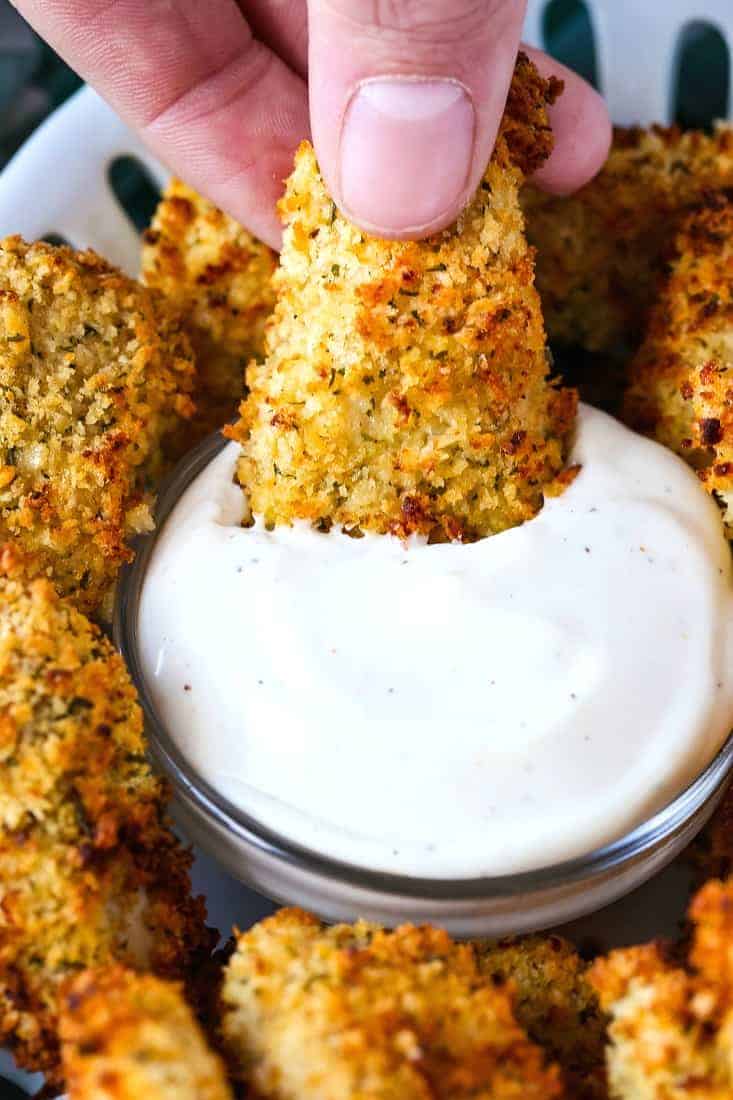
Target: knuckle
point(423, 20)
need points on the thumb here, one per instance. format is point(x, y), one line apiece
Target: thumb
point(406, 98)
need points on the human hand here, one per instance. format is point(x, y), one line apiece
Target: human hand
point(405, 97)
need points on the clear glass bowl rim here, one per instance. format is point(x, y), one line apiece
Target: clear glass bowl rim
point(222, 813)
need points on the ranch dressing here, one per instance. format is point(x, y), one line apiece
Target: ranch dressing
point(451, 711)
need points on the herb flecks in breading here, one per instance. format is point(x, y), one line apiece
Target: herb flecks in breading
point(219, 277)
point(95, 375)
point(406, 383)
point(556, 1005)
point(317, 1013)
point(90, 872)
point(128, 1036)
point(681, 381)
point(601, 250)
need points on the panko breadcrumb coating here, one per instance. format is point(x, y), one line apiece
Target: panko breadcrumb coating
point(90, 872)
point(95, 373)
point(681, 381)
point(671, 1029)
point(219, 277)
point(353, 1012)
point(405, 387)
point(127, 1036)
point(555, 1004)
point(671, 1033)
point(711, 952)
point(600, 251)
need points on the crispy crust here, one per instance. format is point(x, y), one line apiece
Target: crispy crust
point(600, 251)
point(354, 1012)
point(89, 870)
point(127, 1036)
point(712, 945)
point(681, 381)
point(405, 388)
point(219, 277)
point(671, 1030)
point(95, 373)
point(555, 1004)
point(670, 1033)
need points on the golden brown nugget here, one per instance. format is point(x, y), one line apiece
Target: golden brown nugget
point(90, 872)
point(128, 1036)
point(219, 277)
point(405, 388)
point(711, 952)
point(681, 381)
point(671, 1032)
point(555, 1004)
point(600, 251)
point(95, 373)
point(353, 1012)
point(671, 1029)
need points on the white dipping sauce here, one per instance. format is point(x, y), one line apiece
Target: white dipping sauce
point(450, 710)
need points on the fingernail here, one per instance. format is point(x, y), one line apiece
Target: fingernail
point(406, 152)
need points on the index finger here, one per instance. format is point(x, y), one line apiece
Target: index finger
point(214, 103)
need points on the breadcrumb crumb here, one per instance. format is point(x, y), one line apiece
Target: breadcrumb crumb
point(353, 1012)
point(406, 387)
point(601, 250)
point(90, 872)
point(681, 381)
point(127, 1036)
point(219, 278)
point(95, 374)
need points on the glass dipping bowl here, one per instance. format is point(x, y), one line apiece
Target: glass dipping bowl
point(287, 872)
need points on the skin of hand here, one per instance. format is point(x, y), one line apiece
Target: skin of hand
point(402, 98)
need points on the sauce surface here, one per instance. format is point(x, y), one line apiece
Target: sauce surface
point(451, 711)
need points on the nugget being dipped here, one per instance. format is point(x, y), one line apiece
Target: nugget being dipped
point(90, 872)
point(95, 375)
point(219, 277)
point(406, 383)
point(355, 1011)
point(128, 1036)
point(601, 251)
point(681, 381)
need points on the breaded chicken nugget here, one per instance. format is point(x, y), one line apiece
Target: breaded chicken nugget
point(681, 381)
point(671, 1033)
point(671, 1030)
point(127, 1036)
point(94, 374)
point(90, 872)
point(599, 252)
point(555, 1004)
point(219, 277)
point(359, 1013)
point(405, 387)
point(711, 952)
